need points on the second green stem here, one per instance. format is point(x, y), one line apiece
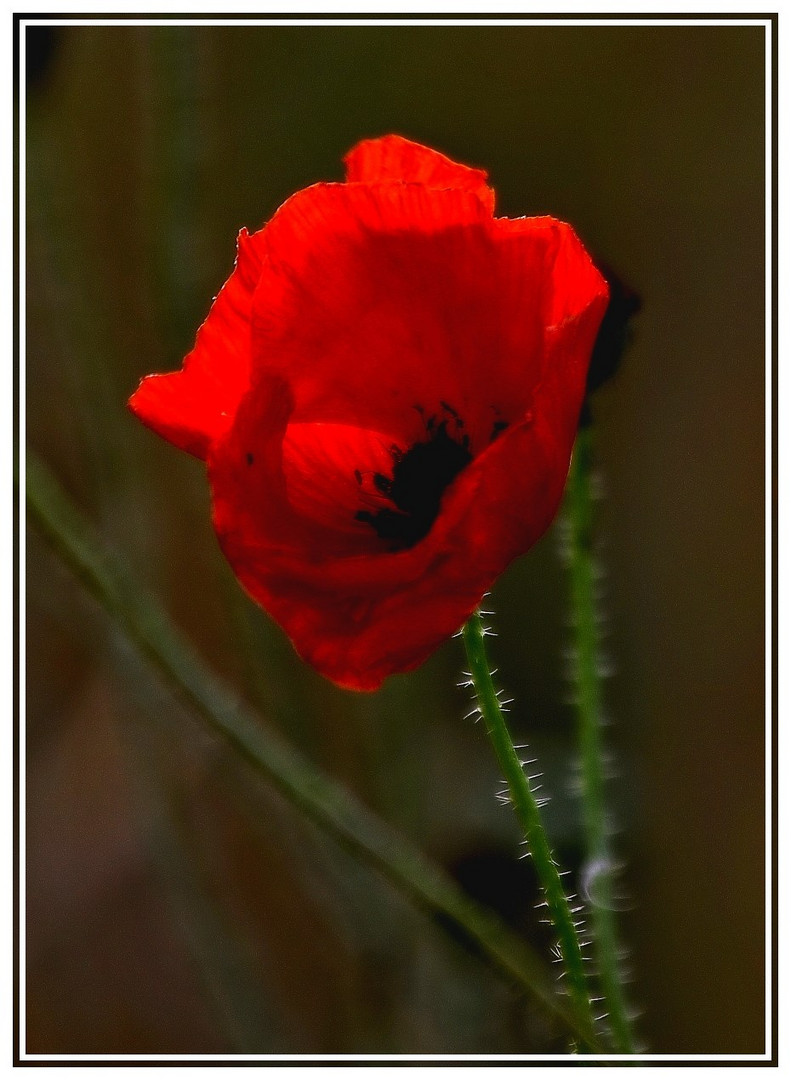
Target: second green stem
point(586, 679)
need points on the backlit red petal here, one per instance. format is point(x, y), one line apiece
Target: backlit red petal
point(379, 301)
point(359, 619)
point(192, 407)
point(358, 613)
point(371, 325)
point(393, 157)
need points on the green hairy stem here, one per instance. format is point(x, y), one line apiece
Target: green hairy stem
point(527, 812)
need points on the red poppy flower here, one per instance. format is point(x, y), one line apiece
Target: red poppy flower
point(386, 392)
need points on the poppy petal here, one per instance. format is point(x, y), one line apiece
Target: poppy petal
point(336, 472)
point(386, 305)
point(386, 393)
point(354, 610)
point(357, 619)
point(393, 157)
point(191, 407)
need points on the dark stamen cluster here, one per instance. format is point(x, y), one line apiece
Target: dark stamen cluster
point(420, 477)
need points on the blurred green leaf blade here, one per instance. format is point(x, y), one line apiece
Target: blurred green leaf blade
point(321, 799)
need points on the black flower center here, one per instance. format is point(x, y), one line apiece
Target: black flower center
point(420, 478)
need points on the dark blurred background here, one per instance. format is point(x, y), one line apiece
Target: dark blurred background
point(174, 903)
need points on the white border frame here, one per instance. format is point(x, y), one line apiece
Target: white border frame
point(771, 704)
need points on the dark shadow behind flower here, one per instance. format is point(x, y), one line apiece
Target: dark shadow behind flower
point(614, 336)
